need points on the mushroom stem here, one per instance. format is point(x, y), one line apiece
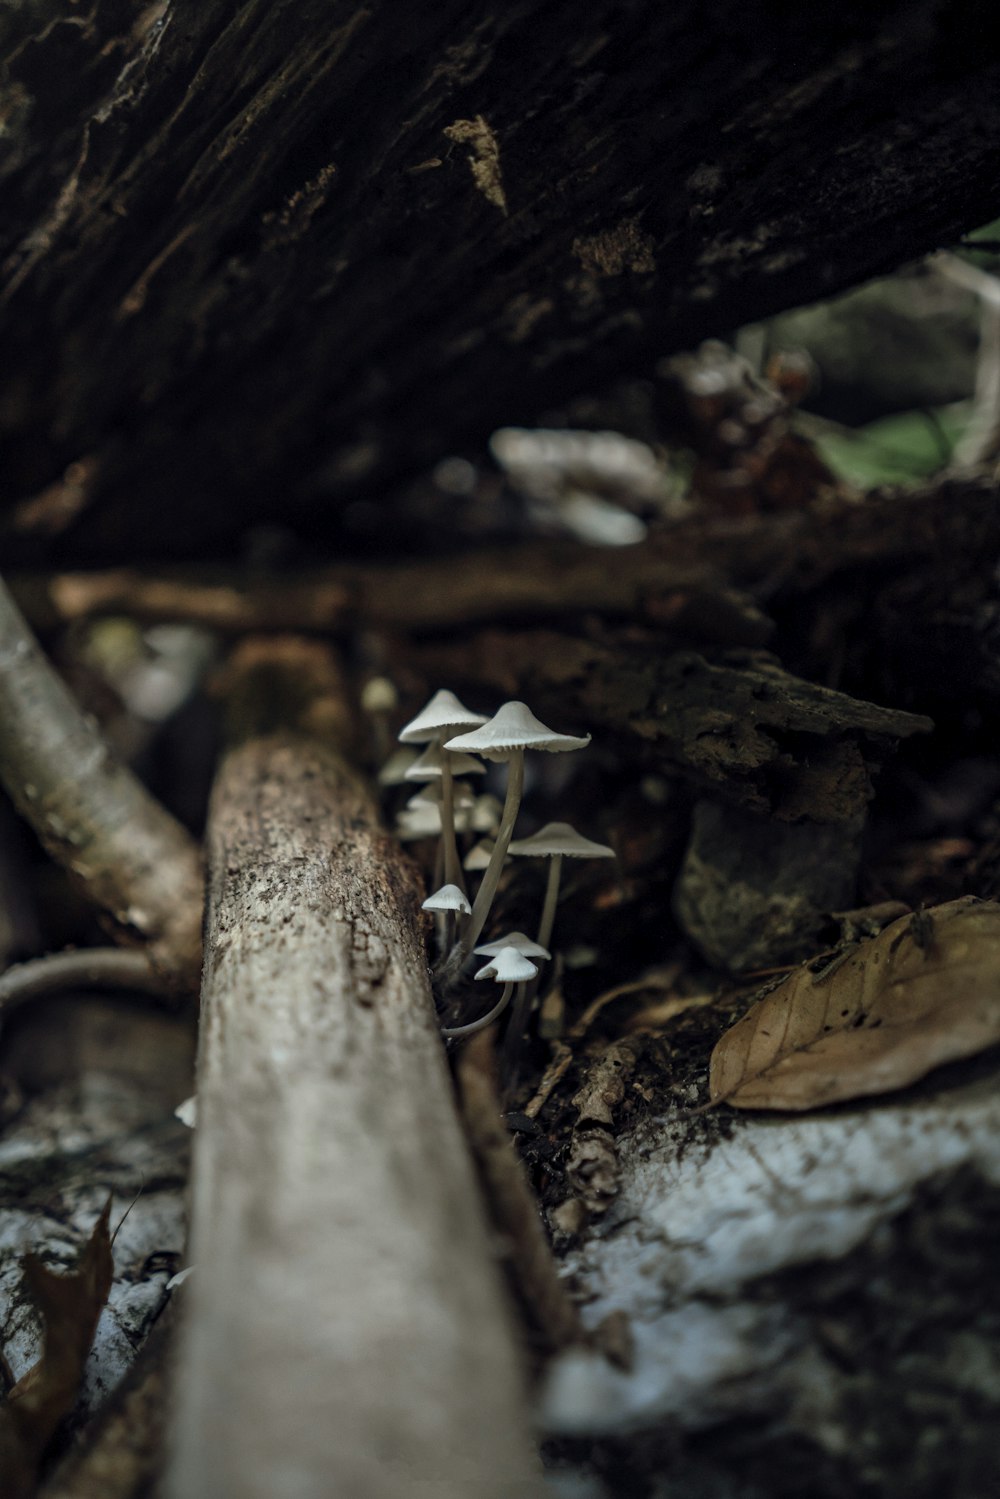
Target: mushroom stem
point(516, 1027)
point(491, 879)
point(551, 898)
point(452, 863)
point(484, 1020)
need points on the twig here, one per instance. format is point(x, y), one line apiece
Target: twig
point(86, 968)
point(91, 813)
point(512, 1202)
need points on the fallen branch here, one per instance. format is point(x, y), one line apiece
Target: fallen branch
point(511, 1201)
point(346, 1323)
point(698, 575)
point(86, 968)
point(91, 813)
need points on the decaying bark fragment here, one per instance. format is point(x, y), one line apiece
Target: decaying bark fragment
point(90, 812)
point(512, 1202)
point(346, 1332)
point(739, 725)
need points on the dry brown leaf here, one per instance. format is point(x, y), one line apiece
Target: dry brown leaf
point(925, 991)
point(70, 1306)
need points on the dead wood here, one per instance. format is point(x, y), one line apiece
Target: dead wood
point(329, 245)
point(512, 1203)
point(89, 968)
point(347, 1331)
point(740, 725)
point(93, 816)
point(705, 576)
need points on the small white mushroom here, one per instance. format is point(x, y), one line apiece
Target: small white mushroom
point(518, 940)
point(439, 718)
point(478, 858)
point(431, 794)
point(509, 967)
point(418, 822)
point(379, 699)
point(556, 841)
point(430, 765)
point(511, 730)
point(187, 1112)
point(437, 721)
point(486, 813)
point(448, 898)
point(393, 772)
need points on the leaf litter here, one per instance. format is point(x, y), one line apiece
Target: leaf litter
point(70, 1305)
point(924, 992)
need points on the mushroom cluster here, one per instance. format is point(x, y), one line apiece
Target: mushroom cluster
point(455, 742)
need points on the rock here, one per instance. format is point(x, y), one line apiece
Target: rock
point(752, 892)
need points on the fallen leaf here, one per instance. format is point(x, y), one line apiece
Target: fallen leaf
point(70, 1306)
point(923, 992)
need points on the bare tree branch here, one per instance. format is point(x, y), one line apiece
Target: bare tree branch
point(91, 813)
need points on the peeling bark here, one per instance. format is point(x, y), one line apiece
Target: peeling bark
point(346, 1331)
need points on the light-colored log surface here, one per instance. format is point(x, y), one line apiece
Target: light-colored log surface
point(346, 1332)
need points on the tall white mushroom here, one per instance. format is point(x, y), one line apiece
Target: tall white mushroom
point(437, 721)
point(556, 841)
point(509, 967)
point(446, 904)
point(431, 764)
point(511, 730)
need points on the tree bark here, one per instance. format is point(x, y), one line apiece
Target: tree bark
point(331, 244)
point(347, 1332)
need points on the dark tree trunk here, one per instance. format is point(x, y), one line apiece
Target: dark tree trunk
point(260, 260)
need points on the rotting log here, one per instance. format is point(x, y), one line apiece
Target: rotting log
point(261, 260)
point(347, 1332)
point(129, 855)
point(738, 726)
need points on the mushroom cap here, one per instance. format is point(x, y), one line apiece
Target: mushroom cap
point(479, 857)
point(418, 822)
point(486, 813)
point(559, 838)
point(430, 795)
point(513, 727)
point(448, 898)
point(429, 765)
point(393, 772)
point(508, 967)
point(379, 695)
point(526, 946)
point(444, 713)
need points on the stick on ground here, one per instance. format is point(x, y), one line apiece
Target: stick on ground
point(91, 813)
point(347, 1332)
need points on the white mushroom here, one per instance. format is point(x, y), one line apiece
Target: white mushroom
point(511, 730)
point(556, 841)
point(448, 898)
point(478, 857)
point(378, 699)
point(437, 721)
point(393, 772)
point(509, 967)
point(431, 794)
point(430, 765)
point(418, 822)
point(521, 943)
